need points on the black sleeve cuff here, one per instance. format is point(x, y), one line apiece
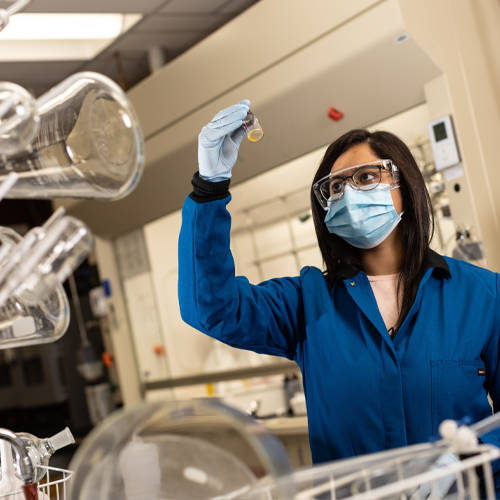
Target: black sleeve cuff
point(204, 191)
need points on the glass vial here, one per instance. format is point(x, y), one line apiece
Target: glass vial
point(253, 129)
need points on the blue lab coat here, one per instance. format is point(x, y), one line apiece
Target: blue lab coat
point(365, 392)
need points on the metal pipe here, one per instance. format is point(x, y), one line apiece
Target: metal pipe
point(78, 311)
point(119, 71)
point(157, 57)
point(17, 6)
point(26, 470)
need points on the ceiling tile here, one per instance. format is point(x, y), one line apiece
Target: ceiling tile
point(176, 22)
point(129, 55)
point(140, 42)
point(236, 6)
point(40, 72)
point(38, 77)
point(192, 6)
point(131, 6)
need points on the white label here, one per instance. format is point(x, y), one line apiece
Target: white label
point(444, 146)
point(23, 326)
point(450, 174)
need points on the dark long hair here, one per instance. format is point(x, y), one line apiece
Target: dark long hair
point(416, 226)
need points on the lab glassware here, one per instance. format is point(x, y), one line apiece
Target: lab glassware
point(171, 450)
point(26, 456)
point(252, 127)
point(19, 120)
point(10, 484)
point(11, 488)
point(17, 485)
point(44, 258)
point(25, 322)
point(40, 450)
point(89, 363)
point(90, 144)
point(184, 450)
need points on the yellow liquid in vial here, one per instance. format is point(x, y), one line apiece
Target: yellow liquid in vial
point(255, 135)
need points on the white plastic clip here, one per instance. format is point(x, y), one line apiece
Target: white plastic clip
point(460, 437)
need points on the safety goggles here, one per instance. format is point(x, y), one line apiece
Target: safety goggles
point(363, 177)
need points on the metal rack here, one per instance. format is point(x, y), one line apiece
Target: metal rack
point(210, 377)
point(54, 489)
point(394, 474)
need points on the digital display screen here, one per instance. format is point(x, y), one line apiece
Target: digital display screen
point(440, 131)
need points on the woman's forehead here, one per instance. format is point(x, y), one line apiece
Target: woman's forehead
point(360, 153)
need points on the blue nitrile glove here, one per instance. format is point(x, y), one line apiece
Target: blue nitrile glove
point(219, 141)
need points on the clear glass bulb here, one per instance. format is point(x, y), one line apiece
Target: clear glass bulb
point(198, 449)
point(19, 120)
point(40, 450)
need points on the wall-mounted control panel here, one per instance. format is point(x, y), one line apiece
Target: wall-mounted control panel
point(443, 142)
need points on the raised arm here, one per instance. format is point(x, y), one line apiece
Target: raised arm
point(265, 318)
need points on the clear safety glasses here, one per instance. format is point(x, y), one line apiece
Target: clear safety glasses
point(363, 177)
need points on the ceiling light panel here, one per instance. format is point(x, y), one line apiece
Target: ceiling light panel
point(61, 37)
point(67, 26)
point(91, 6)
point(192, 6)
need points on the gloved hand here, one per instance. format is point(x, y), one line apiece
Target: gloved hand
point(443, 484)
point(219, 141)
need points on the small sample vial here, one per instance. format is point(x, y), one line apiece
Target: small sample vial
point(253, 129)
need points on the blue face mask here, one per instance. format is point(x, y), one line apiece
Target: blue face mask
point(363, 218)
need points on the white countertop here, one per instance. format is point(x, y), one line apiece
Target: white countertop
point(286, 426)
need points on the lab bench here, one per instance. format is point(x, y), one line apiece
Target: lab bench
point(293, 433)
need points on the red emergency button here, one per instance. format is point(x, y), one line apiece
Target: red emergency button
point(334, 114)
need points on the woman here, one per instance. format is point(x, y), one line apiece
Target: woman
point(392, 338)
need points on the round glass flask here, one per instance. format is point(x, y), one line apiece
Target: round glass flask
point(19, 120)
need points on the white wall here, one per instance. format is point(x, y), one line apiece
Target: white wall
point(123, 349)
point(142, 308)
point(462, 37)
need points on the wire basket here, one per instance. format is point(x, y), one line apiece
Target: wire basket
point(403, 474)
point(51, 489)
